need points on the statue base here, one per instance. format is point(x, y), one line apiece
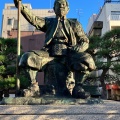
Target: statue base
point(48, 100)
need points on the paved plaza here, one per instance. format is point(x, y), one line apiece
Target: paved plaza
point(109, 110)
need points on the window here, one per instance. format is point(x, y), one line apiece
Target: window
point(115, 12)
point(108, 0)
point(13, 8)
point(9, 21)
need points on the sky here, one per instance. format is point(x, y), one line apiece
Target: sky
point(80, 9)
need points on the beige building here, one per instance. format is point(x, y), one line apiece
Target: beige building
point(31, 39)
point(9, 19)
point(107, 19)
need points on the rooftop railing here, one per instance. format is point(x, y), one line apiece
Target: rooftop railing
point(112, 1)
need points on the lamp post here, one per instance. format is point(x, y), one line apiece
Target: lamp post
point(18, 48)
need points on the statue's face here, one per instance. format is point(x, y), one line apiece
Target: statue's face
point(61, 8)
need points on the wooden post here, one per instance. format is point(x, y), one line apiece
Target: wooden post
point(18, 48)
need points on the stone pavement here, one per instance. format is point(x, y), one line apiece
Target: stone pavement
point(109, 110)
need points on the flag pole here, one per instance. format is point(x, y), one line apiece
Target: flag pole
point(18, 47)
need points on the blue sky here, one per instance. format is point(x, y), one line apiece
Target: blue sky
point(85, 7)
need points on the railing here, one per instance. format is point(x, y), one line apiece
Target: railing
point(114, 17)
point(112, 1)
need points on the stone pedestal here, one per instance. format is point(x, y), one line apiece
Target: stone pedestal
point(45, 100)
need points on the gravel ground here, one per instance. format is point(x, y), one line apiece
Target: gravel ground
point(109, 110)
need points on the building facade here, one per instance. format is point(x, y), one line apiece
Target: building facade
point(108, 18)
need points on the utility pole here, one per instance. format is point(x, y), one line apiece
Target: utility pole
point(18, 49)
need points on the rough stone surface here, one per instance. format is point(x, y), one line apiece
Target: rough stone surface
point(45, 100)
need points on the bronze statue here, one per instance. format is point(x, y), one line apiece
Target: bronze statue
point(65, 46)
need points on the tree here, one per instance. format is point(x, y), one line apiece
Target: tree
point(7, 62)
point(8, 52)
point(106, 51)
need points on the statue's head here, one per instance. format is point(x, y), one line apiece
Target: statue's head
point(61, 8)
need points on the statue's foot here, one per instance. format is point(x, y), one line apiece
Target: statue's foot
point(32, 91)
point(78, 92)
point(47, 90)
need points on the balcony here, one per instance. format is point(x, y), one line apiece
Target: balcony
point(115, 17)
point(96, 28)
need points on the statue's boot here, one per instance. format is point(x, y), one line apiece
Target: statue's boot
point(78, 91)
point(33, 90)
point(80, 76)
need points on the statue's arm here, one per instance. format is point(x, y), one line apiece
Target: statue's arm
point(34, 20)
point(82, 40)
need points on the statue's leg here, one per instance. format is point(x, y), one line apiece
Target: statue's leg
point(81, 64)
point(80, 76)
point(32, 63)
point(78, 91)
point(32, 75)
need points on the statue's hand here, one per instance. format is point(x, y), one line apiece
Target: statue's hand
point(76, 48)
point(16, 3)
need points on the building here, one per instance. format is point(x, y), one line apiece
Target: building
point(31, 39)
point(9, 18)
point(107, 19)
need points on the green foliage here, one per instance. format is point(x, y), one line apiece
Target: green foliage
point(111, 34)
point(2, 58)
point(2, 69)
point(24, 82)
point(106, 52)
point(110, 44)
point(7, 56)
point(10, 82)
point(8, 52)
point(7, 83)
point(94, 44)
point(116, 68)
point(107, 47)
point(11, 70)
